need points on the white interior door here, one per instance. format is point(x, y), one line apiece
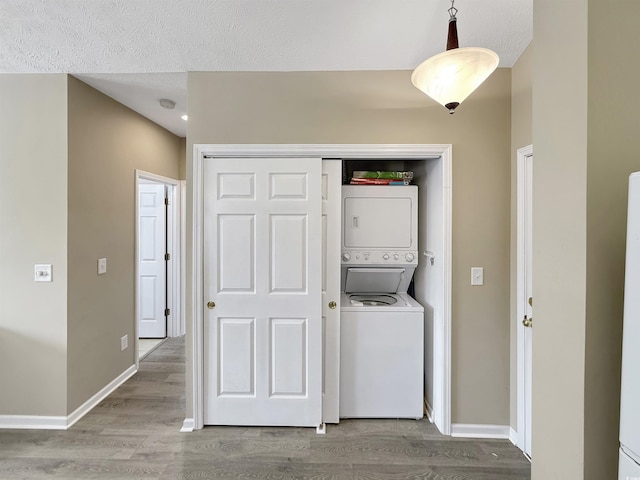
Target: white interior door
point(331, 213)
point(262, 282)
point(152, 280)
point(524, 323)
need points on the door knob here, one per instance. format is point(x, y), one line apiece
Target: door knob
point(332, 305)
point(527, 322)
point(211, 305)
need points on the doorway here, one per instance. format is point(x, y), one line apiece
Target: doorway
point(429, 286)
point(524, 296)
point(158, 262)
point(441, 154)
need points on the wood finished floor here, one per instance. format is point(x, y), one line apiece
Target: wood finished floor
point(134, 434)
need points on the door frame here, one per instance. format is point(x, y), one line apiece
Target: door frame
point(524, 184)
point(442, 343)
point(175, 302)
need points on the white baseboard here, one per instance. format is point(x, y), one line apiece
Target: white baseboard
point(86, 407)
point(41, 422)
point(188, 425)
point(36, 422)
point(513, 436)
point(479, 430)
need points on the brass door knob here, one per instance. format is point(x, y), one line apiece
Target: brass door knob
point(332, 305)
point(211, 305)
point(527, 322)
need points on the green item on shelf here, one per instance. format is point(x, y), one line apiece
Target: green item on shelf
point(391, 175)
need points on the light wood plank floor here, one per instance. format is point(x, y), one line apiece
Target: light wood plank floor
point(148, 345)
point(134, 434)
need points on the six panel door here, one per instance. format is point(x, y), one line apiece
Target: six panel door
point(262, 282)
point(152, 275)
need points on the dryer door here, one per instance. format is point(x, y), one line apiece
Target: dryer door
point(373, 223)
point(379, 217)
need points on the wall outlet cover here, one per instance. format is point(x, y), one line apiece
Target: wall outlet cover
point(102, 266)
point(477, 276)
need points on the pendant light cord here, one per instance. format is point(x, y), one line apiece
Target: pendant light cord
point(452, 37)
point(452, 11)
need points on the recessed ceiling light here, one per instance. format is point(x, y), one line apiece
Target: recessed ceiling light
point(168, 104)
point(185, 117)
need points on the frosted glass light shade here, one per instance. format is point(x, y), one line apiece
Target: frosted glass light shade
point(453, 75)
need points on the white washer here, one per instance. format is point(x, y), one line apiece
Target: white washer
point(381, 356)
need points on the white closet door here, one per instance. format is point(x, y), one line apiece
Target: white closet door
point(331, 213)
point(263, 272)
point(152, 272)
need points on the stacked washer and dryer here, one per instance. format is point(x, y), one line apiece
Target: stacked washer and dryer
point(382, 326)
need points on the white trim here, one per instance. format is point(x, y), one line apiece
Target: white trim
point(428, 411)
point(472, 430)
point(513, 436)
point(62, 422)
point(197, 289)
point(187, 425)
point(36, 422)
point(174, 249)
point(173, 267)
point(107, 390)
point(522, 153)
point(353, 151)
point(182, 322)
point(156, 178)
point(442, 360)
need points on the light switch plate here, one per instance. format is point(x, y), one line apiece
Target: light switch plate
point(477, 276)
point(102, 266)
point(43, 273)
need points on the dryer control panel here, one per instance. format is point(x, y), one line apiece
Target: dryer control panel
point(390, 257)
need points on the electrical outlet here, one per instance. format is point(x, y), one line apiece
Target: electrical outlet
point(102, 266)
point(477, 276)
point(124, 342)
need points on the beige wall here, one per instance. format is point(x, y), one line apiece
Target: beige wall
point(107, 143)
point(182, 162)
point(521, 103)
point(521, 136)
point(559, 237)
point(584, 130)
point(33, 229)
point(612, 155)
point(383, 107)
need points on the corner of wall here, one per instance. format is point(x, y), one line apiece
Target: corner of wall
point(33, 221)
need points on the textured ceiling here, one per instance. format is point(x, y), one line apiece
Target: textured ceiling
point(139, 50)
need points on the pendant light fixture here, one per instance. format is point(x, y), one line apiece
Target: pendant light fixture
point(452, 76)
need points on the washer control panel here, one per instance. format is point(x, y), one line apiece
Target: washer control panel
point(379, 257)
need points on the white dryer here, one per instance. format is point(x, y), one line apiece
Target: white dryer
point(379, 225)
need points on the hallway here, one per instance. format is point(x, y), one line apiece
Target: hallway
point(134, 434)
